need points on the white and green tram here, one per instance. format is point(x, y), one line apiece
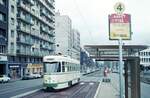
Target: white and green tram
point(60, 72)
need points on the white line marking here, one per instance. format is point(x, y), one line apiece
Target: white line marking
point(82, 83)
point(97, 90)
point(91, 83)
point(24, 94)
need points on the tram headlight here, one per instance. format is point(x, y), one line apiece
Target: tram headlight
point(47, 79)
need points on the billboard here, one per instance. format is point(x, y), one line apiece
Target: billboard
point(120, 26)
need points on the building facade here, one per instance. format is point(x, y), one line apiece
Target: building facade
point(30, 35)
point(75, 44)
point(63, 29)
point(67, 38)
point(87, 64)
point(145, 57)
point(3, 36)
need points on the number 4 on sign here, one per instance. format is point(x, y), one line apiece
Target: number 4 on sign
point(119, 7)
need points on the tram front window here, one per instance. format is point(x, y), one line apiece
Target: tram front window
point(52, 67)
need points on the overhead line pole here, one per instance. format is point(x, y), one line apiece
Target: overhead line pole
point(121, 69)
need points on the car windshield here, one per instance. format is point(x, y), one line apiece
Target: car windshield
point(52, 67)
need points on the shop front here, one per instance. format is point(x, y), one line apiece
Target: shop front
point(33, 68)
point(14, 71)
point(3, 65)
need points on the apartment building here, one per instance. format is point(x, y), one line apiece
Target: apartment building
point(30, 35)
point(63, 30)
point(67, 38)
point(75, 44)
point(3, 36)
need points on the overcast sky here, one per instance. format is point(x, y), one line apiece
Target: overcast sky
point(90, 17)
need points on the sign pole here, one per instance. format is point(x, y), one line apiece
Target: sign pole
point(120, 68)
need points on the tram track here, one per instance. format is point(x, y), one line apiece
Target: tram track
point(80, 90)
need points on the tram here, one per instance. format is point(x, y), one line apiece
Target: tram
point(60, 72)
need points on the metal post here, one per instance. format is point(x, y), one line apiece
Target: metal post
point(120, 68)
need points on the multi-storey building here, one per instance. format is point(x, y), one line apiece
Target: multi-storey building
point(31, 35)
point(145, 57)
point(3, 36)
point(63, 27)
point(87, 63)
point(67, 39)
point(75, 44)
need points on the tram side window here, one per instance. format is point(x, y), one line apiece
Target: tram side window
point(59, 68)
point(63, 67)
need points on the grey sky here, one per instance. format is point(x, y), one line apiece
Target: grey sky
point(90, 17)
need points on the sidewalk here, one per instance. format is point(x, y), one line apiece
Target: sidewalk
point(109, 89)
point(14, 80)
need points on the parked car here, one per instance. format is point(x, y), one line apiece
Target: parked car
point(27, 77)
point(4, 78)
point(36, 75)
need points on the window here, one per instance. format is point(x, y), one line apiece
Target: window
point(52, 67)
point(63, 68)
point(12, 21)
point(12, 47)
point(37, 23)
point(12, 9)
point(33, 10)
point(24, 25)
point(2, 49)
point(2, 17)
point(12, 33)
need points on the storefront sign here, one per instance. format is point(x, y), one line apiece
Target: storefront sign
point(14, 66)
point(34, 66)
point(3, 58)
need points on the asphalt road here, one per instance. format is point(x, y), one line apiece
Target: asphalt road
point(8, 90)
point(85, 89)
point(145, 90)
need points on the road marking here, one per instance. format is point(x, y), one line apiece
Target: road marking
point(24, 94)
point(91, 83)
point(96, 94)
point(82, 83)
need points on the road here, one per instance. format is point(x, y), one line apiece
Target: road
point(85, 89)
point(8, 90)
point(145, 90)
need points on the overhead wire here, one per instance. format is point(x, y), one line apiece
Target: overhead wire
point(83, 19)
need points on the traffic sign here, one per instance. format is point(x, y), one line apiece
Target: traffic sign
point(119, 8)
point(119, 26)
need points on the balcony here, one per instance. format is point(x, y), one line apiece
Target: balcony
point(22, 29)
point(44, 29)
point(3, 40)
point(52, 34)
point(50, 9)
point(30, 1)
point(44, 47)
point(22, 6)
point(26, 19)
point(51, 2)
point(42, 12)
point(25, 42)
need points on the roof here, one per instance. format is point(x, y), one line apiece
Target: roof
point(116, 46)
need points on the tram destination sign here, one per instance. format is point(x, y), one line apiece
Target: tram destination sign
point(119, 26)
